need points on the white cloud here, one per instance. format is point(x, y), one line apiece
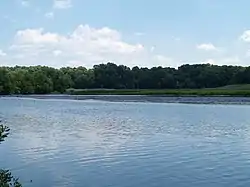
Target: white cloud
point(245, 36)
point(87, 46)
point(57, 52)
point(247, 53)
point(49, 15)
point(2, 53)
point(25, 3)
point(208, 61)
point(36, 36)
point(62, 4)
point(84, 46)
point(152, 49)
point(207, 47)
point(160, 60)
point(233, 60)
point(139, 34)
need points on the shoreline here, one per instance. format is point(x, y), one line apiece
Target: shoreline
point(166, 92)
point(143, 99)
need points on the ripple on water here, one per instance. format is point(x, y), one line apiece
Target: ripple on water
point(83, 143)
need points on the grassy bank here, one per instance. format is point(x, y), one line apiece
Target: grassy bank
point(235, 87)
point(224, 91)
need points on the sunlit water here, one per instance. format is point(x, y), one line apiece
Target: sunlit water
point(59, 143)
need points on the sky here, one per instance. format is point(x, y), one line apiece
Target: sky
point(143, 33)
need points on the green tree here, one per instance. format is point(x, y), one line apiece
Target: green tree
point(6, 84)
point(106, 76)
point(43, 83)
point(23, 81)
point(45, 80)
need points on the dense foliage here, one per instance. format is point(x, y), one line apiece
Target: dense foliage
point(42, 80)
point(6, 178)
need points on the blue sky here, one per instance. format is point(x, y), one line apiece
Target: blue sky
point(131, 32)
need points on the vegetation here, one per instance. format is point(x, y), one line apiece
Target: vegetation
point(185, 80)
point(236, 87)
point(6, 178)
point(165, 92)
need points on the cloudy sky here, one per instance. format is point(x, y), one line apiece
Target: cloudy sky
point(131, 32)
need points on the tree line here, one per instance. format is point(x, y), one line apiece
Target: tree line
point(44, 80)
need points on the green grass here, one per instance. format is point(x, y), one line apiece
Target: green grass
point(223, 91)
point(236, 87)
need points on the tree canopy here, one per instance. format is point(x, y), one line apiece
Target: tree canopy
point(44, 80)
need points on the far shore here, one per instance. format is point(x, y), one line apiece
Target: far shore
point(164, 92)
point(206, 92)
point(187, 99)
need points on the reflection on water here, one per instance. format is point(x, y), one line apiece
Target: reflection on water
point(98, 143)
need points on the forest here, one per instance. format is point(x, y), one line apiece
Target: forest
point(45, 80)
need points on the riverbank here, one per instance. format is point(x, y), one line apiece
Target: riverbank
point(164, 92)
point(140, 99)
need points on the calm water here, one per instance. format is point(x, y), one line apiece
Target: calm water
point(127, 144)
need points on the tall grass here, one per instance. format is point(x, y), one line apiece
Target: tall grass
point(164, 92)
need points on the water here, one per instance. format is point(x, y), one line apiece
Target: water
point(94, 143)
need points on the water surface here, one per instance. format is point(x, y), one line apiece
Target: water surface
point(99, 143)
